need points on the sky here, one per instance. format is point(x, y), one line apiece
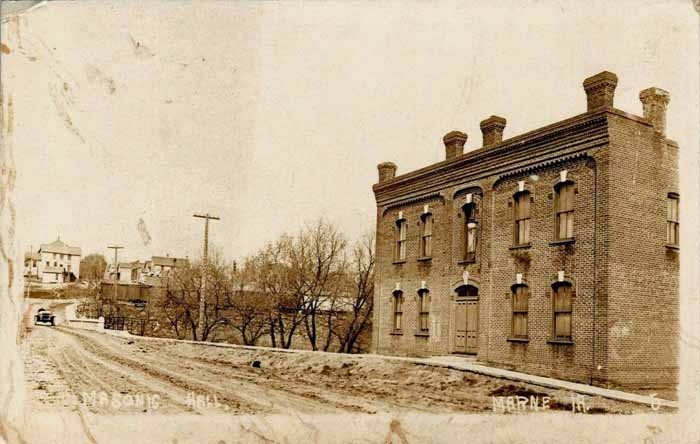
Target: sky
point(272, 114)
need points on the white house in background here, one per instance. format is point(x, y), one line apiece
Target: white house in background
point(58, 262)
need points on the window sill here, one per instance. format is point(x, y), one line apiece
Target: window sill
point(399, 262)
point(396, 333)
point(423, 334)
point(562, 242)
point(560, 342)
point(425, 259)
point(467, 261)
point(525, 340)
point(672, 247)
point(520, 247)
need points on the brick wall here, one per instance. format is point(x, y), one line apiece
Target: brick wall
point(643, 272)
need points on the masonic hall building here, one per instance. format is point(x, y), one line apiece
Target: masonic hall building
point(554, 252)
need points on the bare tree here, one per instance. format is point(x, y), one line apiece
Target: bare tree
point(251, 309)
point(360, 301)
point(275, 279)
point(317, 265)
point(180, 297)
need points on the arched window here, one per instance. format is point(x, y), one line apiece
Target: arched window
point(426, 244)
point(519, 307)
point(401, 227)
point(522, 218)
point(467, 290)
point(564, 205)
point(561, 306)
point(470, 225)
point(423, 310)
point(398, 309)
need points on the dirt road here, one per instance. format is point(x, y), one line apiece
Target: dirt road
point(108, 374)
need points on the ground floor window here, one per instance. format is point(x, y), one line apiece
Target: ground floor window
point(398, 309)
point(562, 311)
point(519, 307)
point(423, 310)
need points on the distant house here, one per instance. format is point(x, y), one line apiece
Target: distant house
point(32, 262)
point(55, 262)
point(161, 266)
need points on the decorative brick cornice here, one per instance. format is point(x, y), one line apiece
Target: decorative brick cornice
point(538, 166)
point(413, 200)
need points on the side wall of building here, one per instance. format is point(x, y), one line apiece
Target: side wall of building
point(643, 271)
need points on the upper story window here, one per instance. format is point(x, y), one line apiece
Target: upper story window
point(672, 220)
point(401, 228)
point(398, 309)
point(470, 224)
point(519, 308)
point(564, 205)
point(426, 244)
point(423, 310)
point(522, 218)
point(562, 311)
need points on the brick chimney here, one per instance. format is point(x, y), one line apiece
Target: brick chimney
point(654, 102)
point(600, 90)
point(492, 130)
point(454, 144)
point(387, 171)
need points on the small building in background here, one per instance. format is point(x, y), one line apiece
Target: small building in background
point(127, 272)
point(32, 264)
point(161, 266)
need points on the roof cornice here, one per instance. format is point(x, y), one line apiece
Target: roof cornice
point(583, 131)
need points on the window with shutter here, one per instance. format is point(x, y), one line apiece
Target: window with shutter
point(522, 218)
point(562, 311)
point(564, 203)
point(398, 309)
point(519, 306)
point(423, 310)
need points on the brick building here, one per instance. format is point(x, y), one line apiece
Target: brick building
point(554, 252)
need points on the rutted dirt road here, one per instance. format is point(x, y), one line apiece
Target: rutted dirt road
point(115, 375)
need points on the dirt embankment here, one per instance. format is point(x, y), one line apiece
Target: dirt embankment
point(65, 365)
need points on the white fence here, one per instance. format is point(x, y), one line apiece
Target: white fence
point(73, 320)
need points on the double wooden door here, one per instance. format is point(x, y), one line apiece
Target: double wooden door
point(466, 325)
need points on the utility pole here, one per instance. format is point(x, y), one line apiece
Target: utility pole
point(205, 268)
point(116, 249)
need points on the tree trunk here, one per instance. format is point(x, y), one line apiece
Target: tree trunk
point(329, 331)
point(273, 339)
point(11, 286)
